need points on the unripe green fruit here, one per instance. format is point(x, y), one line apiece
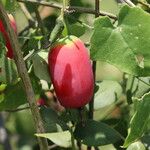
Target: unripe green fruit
point(71, 72)
point(2, 87)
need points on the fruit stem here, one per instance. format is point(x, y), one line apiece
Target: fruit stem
point(72, 139)
point(63, 9)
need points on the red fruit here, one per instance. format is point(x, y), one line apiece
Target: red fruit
point(71, 72)
point(5, 35)
point(40, 102)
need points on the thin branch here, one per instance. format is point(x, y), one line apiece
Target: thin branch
point(71, 8)
point(112, 108)
point(44, 3)
point(24, 76)
point(144, 4)
point(26, 12)
point(28, 16)
point(112, 16)
point(91, 104)
point(46, 42)
point(129, 3)
point(52, 146)
point(19, 109)
point(40, 22)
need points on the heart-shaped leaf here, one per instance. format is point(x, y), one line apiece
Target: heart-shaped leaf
point(94, 133)
point(62, 139)
point(125, 45)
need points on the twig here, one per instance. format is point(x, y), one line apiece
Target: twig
point(91, 104)
point(40, 22)
point(71, 8)
point(82, 121)
point(25, 77)
point(44, 3)
point(28, 16)
point(26, 12)
point(129, 3)
point(144, 4)
point(19, 109)
point(52, 146)
point(112, 108)
point(132, 83)
point(79, 21)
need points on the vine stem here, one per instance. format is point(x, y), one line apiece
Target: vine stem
point(25, 77)
point(91, 104)
point(26, 12)
point(144, 4)
point(72, 139)
point(40, 22)
point(71, 8)
point(16, 110)
point(129, 3)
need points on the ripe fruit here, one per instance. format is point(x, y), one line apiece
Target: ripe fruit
point(71, 72)
point(5, 35)
point(40, 102)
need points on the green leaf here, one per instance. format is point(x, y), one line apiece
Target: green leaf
point(14, 96)
point(62, 139)
point(93, 133)
point(8, 70)
point(76, 29)
point(139, 121)
point(141, 86)
point(9, 5)
point(24, 117)
point(37, 87)
point(146, 140)
point(52, 121)
point(126, 45)
point(136, 146)
point(34, 42)
point(70, 115)
point(41, 67)
point(107, 93)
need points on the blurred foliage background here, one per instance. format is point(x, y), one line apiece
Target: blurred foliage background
point(19, 125)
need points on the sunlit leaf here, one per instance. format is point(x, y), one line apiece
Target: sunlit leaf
point(107, 93)
point(93, 133)
point(139, 121)
point(126, 45)
point(62, 139)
